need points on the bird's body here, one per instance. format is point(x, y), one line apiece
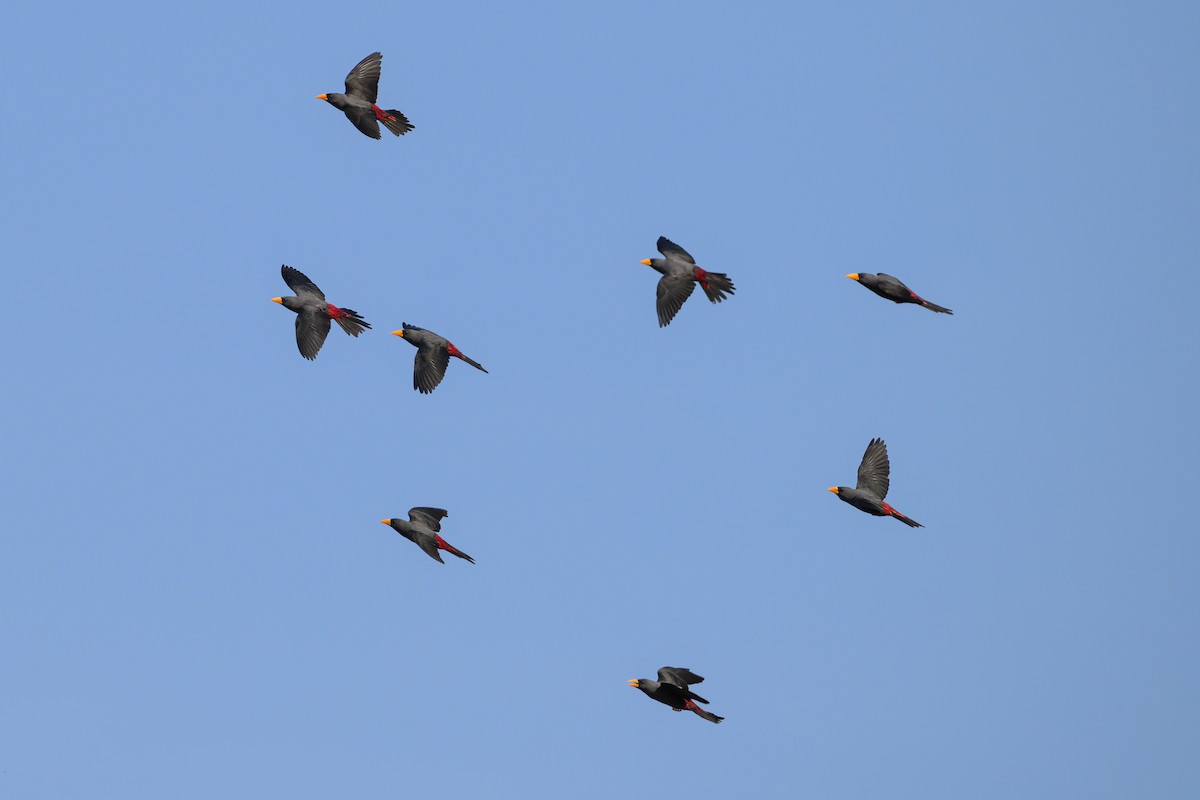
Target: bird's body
point(422, 528)
point(874, 473)
point(893, 289)
point(679, 278)
point(671, 689)
point(433, 356)
point(358, 103)
point(314, 313)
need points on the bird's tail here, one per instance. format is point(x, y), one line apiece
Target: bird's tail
point(451, 549)
point(348, 319)
point(708, 715)
point(715, 284)
point(912, 523)
point(936, 307)
point(454, 351)
point(395, 122)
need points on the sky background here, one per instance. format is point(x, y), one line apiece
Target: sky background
point(198, 598)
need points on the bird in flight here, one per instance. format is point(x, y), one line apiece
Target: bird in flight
point(314, 313)
point(679, 278)
point(358, 103)
point(422, 527)
point(433, 356)
point(892, 289)
point(672, 689)
point(872, 487)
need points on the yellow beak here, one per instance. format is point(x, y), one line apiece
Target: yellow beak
point(277, 300)
point(322, 97)
point(834, 489)
point(398, 333)
point(853, 276)
point(645, 261)
point(386, 521)
point(633, 682)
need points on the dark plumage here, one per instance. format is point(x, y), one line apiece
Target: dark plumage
point(358, 103)
point(891, 288)
point(433, 356)
point(672, 689)
point(873, 482)
point(422, 528)
point(313, 313)
point(679, 278)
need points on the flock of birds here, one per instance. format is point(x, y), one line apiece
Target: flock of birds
point(680, 275)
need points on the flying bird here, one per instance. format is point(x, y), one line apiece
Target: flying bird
point(313, 313)
point(433, 356)
point(672, 689)
point(872, 485)
point(422, 528)
point(892, 289)
point(358, 103)
point(679, 278)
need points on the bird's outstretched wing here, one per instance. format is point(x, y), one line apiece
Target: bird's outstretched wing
point(429, 367)
point(299, 283)
point(669, 249)
point(429, 517)
point(365, 121)
point(363, 80)
point(874, 469)
point(673, 290)
point(312, 327)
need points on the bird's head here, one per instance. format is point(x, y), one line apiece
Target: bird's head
point(286, 302)
point(837, 490)
point(387, 522)
point(636, 683)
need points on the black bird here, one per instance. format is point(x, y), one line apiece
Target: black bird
point(872, 486)
point(313, 313)
point(679, 278)
point(422, 528)
point(672, 689)
point(358, 103)
point(891, 288)
point(433, 356)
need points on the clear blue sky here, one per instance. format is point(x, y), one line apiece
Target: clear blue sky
point(199, 600)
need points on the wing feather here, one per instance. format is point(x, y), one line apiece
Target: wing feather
point(874, 469)
point(363, 80)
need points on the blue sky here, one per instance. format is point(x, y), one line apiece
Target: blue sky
point(199, 598)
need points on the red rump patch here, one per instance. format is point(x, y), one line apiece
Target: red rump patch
point(442, 543)
point(691, 706)
point(335, 312)
point(914, 296)
point(889, 509)
point(380, 114)
point(452, 350)
point(702, 277)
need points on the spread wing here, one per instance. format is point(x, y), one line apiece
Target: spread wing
point(429, 367)
point(673, 289)
point(363, 80)
point(429, 545)
point(670, 249)
point(365, 121)
point(429, 517)
point(299, 283)
point(680, 676)
point(874, 470)
point(311, 329)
